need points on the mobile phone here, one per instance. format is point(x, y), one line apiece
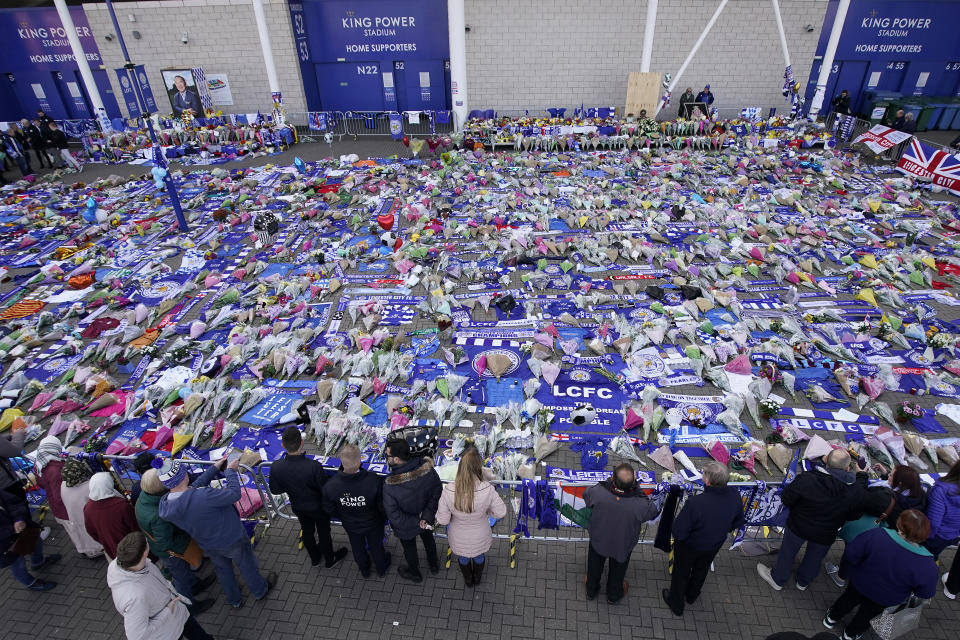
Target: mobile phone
point(233, 456)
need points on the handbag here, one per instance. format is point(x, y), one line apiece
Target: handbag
point(899, 619)
point(192, 555)
point(26, 540)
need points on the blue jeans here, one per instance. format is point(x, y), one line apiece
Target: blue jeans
point(241, 554)
point(183, 578)
point(465, 560)
point(19, 565)
point(809, 566)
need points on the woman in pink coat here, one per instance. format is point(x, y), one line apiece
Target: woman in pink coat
point(465, 508)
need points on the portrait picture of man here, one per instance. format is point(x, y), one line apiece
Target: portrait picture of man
point(183, 92)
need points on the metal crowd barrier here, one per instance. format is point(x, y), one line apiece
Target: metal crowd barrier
point(121, 468)
point(313, 126)
point(504, 528)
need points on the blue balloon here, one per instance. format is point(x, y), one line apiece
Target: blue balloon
point(301, 167)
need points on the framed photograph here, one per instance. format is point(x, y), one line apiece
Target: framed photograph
point(182, 91)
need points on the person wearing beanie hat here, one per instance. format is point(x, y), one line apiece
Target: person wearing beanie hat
point(209, 516)
point(705, 98)
point(141, 463)
point(74, 492)
point(107, 516)
point(170, 543)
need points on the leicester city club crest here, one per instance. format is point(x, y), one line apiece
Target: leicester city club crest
point(514, 362)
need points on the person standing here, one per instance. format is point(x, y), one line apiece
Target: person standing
point(302, 479)
point(898, 120)
point(885, 567)
point(943, 510)
point(909, 124)
point(210, 517)
point(151, 608)
point(179, 553)
point(618, 511)
point(951, 579)
point(48, 469)
point(465, 508)
point(75, 492)
point(820, 501)
point(15, 151)
point(58, 140)
point(686, 100)
point(15, 516)
point(43, 119)
point(698, 533)
point(411, 494)
point(108, 517)
point(841, 104)
point(355, 496)
point(705, 97)
point(33, 139)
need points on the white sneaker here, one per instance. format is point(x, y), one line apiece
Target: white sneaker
point(764, 572)
point(946, 592)
point(833, 571)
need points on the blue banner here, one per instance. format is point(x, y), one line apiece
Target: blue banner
point(140, 74)
point(354, 31)
point(129, 93)
point(900, 31)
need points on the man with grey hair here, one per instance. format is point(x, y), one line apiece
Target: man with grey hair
point(820, 501)
point(698, 533)
point(355, 496)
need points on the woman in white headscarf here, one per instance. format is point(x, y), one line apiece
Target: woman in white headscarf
point(74, 493)
point(108, 516)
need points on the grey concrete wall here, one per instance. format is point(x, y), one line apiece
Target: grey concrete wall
point(222, 38)
point(534, 54)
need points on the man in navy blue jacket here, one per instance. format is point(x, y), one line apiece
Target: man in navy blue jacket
point(699, 532)
point(210, 517)
point(302, 479)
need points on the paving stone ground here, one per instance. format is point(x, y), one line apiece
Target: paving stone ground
point(541, 598)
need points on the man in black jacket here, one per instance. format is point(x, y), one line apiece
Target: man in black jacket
point(841, 104)
point(58, 140)
point(355, 496)
point(37, 142)
point(411, 494)
point(302, 479)
point(698, 533)
point(820, 501)
point(619, 509)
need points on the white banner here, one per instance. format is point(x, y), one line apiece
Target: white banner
point(219, 88)
point(881, 138)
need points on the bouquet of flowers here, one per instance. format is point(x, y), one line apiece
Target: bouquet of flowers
point(769, 407)
point(907, 411)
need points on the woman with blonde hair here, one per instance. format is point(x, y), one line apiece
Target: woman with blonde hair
point(465, 507)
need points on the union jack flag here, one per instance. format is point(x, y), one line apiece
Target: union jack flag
point(940, 167)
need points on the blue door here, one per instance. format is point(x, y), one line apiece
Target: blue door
point(70, 88)
point(37, 90)
point(426, 86)
point(851, 76)
point(350, 86)
point(891, 79)
point(949, 84)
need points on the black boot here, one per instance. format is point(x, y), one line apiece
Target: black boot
point(477, 571)
point(467, 571)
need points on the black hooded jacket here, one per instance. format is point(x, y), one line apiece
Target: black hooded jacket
point(356, 499)
point(411, 493)
point(821, 500)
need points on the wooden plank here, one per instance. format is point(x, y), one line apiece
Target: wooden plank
point(643, 92)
